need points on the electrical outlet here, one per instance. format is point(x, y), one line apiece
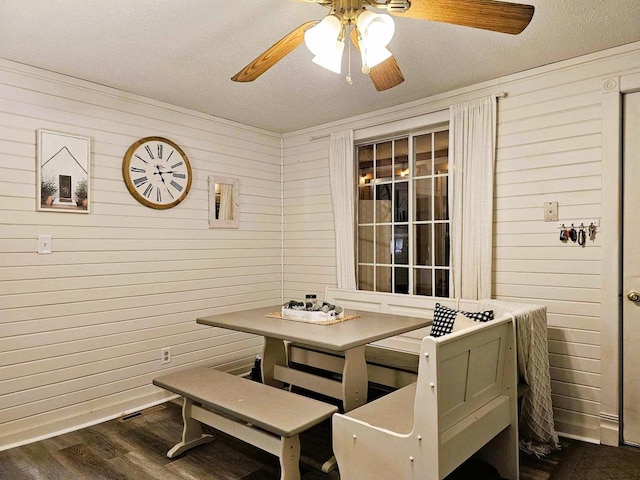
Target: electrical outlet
point(165, 355)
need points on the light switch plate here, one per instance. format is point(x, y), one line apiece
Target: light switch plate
point(551, 211)
point(44, 244)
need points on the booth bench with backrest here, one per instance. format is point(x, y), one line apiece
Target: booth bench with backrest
point(536, 413)
point(392, 362)
point(463, 404)
point(264, 416)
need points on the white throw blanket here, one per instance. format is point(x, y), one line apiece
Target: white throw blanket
point(537, 431)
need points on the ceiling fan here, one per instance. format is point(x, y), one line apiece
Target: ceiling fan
point(371, 32)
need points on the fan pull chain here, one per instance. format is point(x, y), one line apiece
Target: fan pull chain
point(348, 77)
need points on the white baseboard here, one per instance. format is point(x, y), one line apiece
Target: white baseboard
point(84, 420)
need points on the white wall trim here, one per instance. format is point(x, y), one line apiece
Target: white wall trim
point(281, 220)
point(403, 125)
point(612, 90)
point(99, 416)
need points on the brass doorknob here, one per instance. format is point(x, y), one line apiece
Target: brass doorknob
point(634, 296)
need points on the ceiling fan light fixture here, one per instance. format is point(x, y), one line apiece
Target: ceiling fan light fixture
point(321, 39)
point(376, 31)
point(331, 59)
point(372, 57)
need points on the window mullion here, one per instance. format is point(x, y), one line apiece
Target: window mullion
point(393, 210)
point(433, 215)
point(411, 208)
point(375, 217)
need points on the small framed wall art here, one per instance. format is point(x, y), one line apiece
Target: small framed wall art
point(223, 202)
point(63, 172)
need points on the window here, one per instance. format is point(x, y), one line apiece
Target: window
point(403, 215)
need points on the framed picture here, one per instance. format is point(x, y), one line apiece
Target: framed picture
point(63, 172)
point(223, 202)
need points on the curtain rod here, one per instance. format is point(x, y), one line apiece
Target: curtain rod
point(313, 138)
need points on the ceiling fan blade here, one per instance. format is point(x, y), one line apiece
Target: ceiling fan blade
point(505, 17)
point(273, 55)
point(386, 74)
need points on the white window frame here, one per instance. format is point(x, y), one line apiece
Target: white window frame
point(364, 138)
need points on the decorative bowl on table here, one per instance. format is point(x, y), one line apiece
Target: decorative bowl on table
point(315, 312)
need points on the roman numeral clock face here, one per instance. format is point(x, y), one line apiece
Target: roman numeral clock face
point(157, 172)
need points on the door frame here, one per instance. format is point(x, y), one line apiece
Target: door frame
point(613, 87)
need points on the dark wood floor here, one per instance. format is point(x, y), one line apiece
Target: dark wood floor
point(136, 449)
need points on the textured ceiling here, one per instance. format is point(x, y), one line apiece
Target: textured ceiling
point(184, 51)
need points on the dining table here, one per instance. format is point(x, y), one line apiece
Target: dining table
point(346, 339)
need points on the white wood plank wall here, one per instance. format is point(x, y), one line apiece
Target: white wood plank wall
point(81, 329)
point(549, 149)
point(309, 236)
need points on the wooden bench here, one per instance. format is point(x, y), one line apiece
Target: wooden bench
point(463, 404)
point(386, 367)
point(264, 416)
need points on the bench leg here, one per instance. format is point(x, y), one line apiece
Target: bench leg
point(330, 465)
point(290, 458)
point(192, 435)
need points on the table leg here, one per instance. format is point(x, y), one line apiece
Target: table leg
point(355, 384)
point(273, 353)
point(354, 379)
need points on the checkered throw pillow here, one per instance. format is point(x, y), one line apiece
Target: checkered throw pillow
point(444, 318)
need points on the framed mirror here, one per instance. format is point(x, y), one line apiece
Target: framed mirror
point(223, 202)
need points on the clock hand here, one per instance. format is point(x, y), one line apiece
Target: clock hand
point(159, 172)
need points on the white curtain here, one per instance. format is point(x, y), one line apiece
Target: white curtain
point(472, 142)
point(341, 169)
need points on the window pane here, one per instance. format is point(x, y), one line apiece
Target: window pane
point(401, 205)
point(422, 154)
point(422, 282)
point(365, 164)
point(442, 283)
point(365, 278)
point(441, 160)
point(383, 203)
point(441, 248)
point(423, 244)
point(441, 198)
point(365, 204)
point(383, 244)
point(383, 279)
point(401, 157)
point(401, 282)
point(401, 240)
point(365, 245)
point(384, 162)
point(423, 199)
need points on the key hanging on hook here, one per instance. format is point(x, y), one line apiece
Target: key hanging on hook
point(582, 236)
point(573, 234)
point(592, 232)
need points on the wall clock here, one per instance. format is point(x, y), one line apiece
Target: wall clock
point(157, 172)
